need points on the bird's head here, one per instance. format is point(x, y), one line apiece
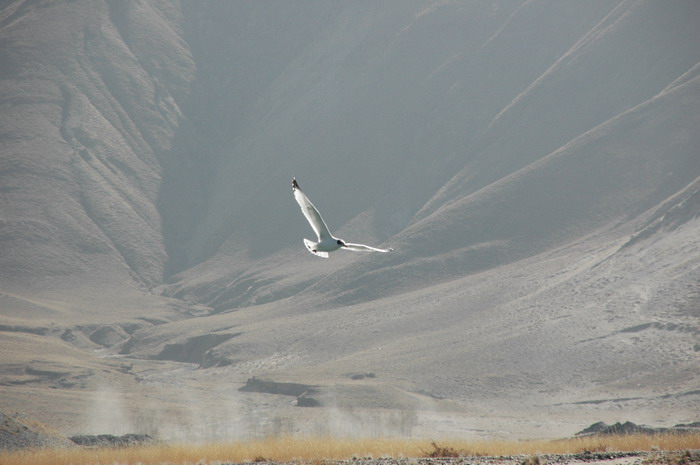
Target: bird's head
point(341, 243)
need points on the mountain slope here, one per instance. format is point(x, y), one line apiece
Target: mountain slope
point(88, 109)
point(581, 94)
point(534, 164)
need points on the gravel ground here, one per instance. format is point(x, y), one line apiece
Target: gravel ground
point(595, 458)
point(17, 432)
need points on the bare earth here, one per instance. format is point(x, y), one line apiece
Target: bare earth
point(596, 458)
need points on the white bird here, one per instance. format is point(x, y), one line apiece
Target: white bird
point(326, 242)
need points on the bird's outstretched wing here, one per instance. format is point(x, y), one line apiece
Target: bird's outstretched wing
point(364, 248)
point(312, 215)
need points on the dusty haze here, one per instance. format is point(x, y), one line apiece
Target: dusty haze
point(534, 164)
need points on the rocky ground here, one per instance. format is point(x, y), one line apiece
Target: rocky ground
point(586, 458)
point(18, 432)
point(110, 440)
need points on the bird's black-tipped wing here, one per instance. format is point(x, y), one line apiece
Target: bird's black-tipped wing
point(312, 215)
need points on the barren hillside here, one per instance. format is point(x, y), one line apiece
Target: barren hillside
point(534, 164)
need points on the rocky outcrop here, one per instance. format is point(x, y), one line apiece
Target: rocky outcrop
point(304, 393)
point(603, 429)
point(109, 440)
point(18, 432)
point(196, 350)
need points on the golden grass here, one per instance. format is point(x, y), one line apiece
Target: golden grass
point(320, 449)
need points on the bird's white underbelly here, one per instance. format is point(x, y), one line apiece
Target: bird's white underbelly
point(328, 245)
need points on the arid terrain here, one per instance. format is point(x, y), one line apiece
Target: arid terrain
point(534, 164)
point(24, 441)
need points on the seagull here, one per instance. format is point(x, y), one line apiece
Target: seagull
point(326, 242)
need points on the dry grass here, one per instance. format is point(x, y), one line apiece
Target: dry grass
point(320, 449)
point(633, 442)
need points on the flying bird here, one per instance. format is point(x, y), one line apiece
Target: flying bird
point(326, 242)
